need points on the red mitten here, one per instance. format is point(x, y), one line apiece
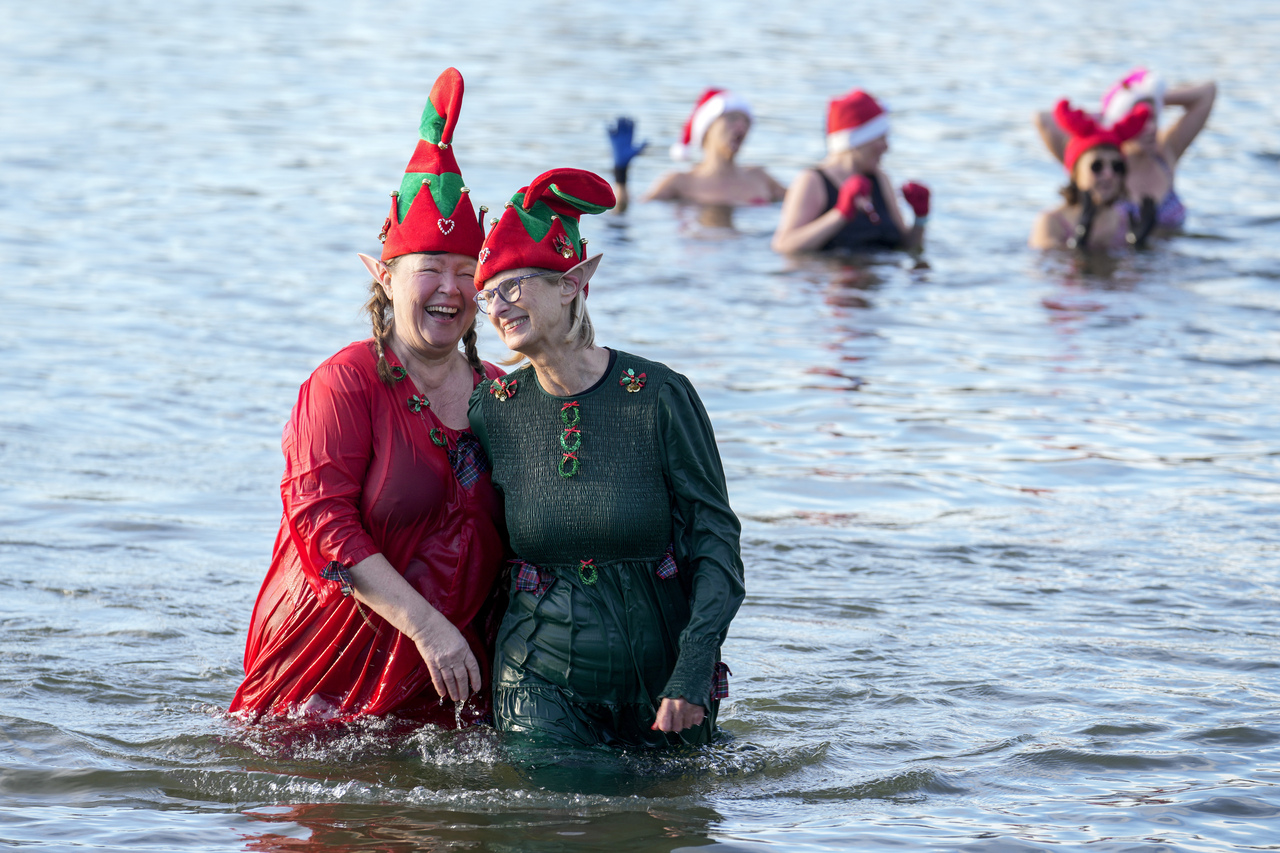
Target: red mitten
point(917, 195)
point(855, 195)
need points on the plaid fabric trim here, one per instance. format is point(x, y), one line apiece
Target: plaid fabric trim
point(468, 460)
point(720, 681)
point(667, 568)
point(339, 574)
point(529, 578)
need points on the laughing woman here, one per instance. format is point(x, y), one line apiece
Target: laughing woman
point(380, 587)
point(1096, 215)
point(627, 569)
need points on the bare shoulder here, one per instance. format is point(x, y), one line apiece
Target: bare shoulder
point(670, 187)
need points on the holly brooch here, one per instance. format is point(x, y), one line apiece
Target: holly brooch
point(503, 389)
point(631, 381)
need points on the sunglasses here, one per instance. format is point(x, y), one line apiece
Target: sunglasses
point(1117, 166)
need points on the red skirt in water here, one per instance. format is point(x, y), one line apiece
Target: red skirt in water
point(370, 469)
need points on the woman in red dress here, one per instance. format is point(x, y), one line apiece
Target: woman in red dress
point(380, 595)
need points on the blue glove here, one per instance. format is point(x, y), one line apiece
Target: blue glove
point(621, 137)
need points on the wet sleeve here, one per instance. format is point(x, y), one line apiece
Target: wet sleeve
point(706, 534)
point(327, 447)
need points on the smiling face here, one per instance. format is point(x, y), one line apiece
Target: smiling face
point(1100, 172)
point(540, 315)
point(726, 134)
point(432, 299)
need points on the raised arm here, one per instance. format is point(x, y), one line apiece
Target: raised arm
point(1197, 102)
point(1053, 137)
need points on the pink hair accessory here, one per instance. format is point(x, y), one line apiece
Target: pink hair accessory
point(1136, 86)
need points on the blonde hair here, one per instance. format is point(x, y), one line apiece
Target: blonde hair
point(382, 319)
point(581, 333)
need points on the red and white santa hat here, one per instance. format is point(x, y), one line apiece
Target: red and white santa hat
point(713, 104)
point(855, 119)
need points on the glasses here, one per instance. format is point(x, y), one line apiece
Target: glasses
point(1117, 166)
point(508, 290)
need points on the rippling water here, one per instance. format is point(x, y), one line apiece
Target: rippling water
point(1009, 519)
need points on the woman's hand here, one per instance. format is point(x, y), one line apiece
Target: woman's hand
point(454, 670)
point(622, 138)
point(917, 195)
point(676, 715)
point(855, 195)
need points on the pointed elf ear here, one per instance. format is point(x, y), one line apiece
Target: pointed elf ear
point(570, 192)
point(1074, 122)
point(584, 270)
point(376, 268)
point(1132, 124)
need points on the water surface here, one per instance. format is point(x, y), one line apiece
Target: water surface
point(1008, 518)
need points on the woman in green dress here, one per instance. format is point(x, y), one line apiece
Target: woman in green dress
point(627, 568)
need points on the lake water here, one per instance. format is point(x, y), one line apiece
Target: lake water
point(1009, 519)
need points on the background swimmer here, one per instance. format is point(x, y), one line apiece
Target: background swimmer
point(847, 201)
point(1153, 154)
point(1096, 215)
point(717, 127)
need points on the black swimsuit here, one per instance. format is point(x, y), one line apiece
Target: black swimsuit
point(860, 232)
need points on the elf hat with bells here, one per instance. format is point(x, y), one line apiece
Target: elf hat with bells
point(539, 226)
point(431, 212)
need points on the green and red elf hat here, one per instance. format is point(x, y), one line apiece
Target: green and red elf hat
point(539, 227)
point(440, 219)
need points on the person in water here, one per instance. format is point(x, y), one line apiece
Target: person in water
point(846, 201)
point(380, 595)
point(717, 127)
point(1152, 155)
point(1095, 215)
point(626, 569)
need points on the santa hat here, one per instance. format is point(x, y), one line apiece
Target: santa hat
point(853, 120)
point(539, 227)
point(1138, 85)
point(440, 219)
point(713, 104)
point(1086, 133)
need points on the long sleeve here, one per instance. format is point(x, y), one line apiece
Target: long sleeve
point(706, 534)
point(328, 445)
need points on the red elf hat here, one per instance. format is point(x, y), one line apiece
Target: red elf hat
point(1086, 133)
point(539, 227)
point(854, 119)
point(441, 219)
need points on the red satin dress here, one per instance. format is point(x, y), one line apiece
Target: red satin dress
point(369, 469)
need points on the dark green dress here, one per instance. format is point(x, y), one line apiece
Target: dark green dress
point(627, 569)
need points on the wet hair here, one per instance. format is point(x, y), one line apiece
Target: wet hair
point(1071, 192)
point(382, 319)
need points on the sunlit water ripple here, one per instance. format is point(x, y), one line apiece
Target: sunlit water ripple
point(1008, 518)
